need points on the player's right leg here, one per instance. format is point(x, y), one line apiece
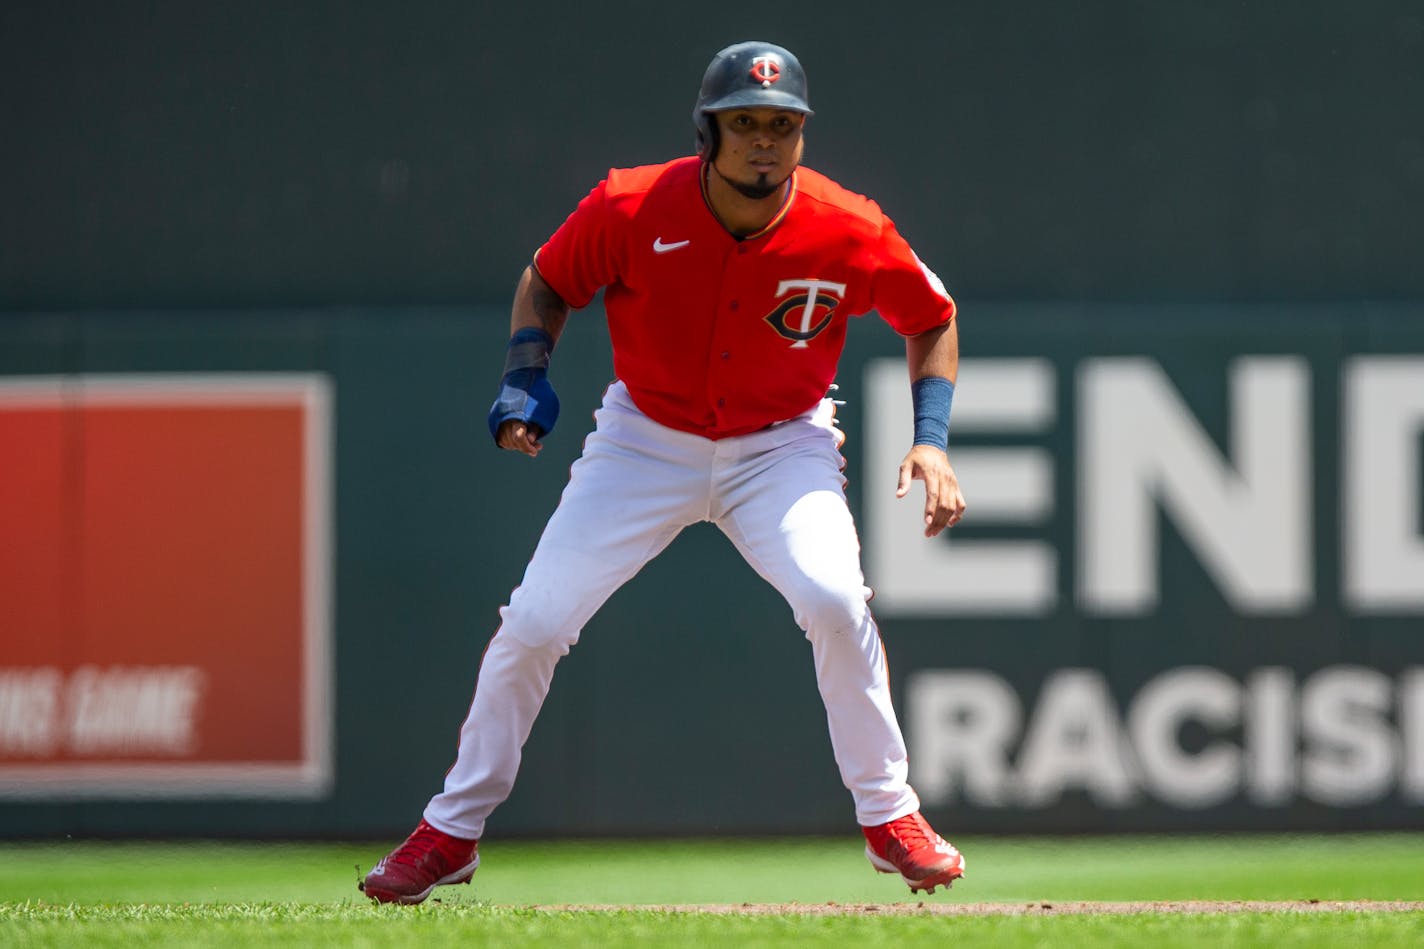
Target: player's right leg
point(635, 487)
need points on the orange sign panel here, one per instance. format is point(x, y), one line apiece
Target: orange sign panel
point(164, 586)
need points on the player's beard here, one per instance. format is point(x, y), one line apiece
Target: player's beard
point(761, 189)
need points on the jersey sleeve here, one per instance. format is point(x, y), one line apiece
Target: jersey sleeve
point(906, 293)
point(577, 260)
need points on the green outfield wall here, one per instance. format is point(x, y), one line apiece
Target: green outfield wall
point(255, 267)
point(1188, 594)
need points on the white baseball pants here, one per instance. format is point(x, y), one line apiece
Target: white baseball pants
point(778, 494)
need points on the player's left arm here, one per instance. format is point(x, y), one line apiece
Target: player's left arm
point(933, 358)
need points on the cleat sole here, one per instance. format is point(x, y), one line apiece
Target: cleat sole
point(929, 885)
point(944, 877)
point(381, 895)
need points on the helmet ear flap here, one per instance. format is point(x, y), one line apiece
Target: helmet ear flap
point(706, 136)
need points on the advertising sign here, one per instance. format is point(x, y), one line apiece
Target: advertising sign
point(1278, 660)
point(165, 544)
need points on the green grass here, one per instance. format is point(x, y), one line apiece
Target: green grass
point(467, 924)
point(254, 894)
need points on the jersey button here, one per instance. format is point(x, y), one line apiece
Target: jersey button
point(721, 403)
point(741, 248)
point(726, 355)
point(734, 305)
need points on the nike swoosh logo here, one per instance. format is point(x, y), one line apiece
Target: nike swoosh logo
point(661, 248)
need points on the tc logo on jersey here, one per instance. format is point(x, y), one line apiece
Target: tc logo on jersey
point(765, 70)
point(804, 316)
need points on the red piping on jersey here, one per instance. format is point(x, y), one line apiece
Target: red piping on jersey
point(776, 218)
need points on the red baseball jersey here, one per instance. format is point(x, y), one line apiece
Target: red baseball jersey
point(720, 336)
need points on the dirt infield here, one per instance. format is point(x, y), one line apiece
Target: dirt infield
point(1015, 909)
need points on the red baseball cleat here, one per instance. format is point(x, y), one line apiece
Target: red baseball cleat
point(910, 847)
point(428, 858)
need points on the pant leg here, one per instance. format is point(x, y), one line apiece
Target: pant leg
point(785, 510)
point(635, 487)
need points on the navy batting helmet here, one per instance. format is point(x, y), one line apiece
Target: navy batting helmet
point(747, 76)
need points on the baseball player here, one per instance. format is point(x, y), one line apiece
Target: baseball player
point(729, 281)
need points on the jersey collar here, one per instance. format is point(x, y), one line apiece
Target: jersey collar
point(776, 218)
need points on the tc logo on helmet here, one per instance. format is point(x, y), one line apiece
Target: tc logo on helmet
point(765, 70)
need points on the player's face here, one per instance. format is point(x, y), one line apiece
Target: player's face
point(759, 148)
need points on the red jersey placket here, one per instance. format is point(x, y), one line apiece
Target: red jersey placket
point(722, 370)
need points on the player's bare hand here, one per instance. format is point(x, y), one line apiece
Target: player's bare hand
point(944, 502)
point(515, 435)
